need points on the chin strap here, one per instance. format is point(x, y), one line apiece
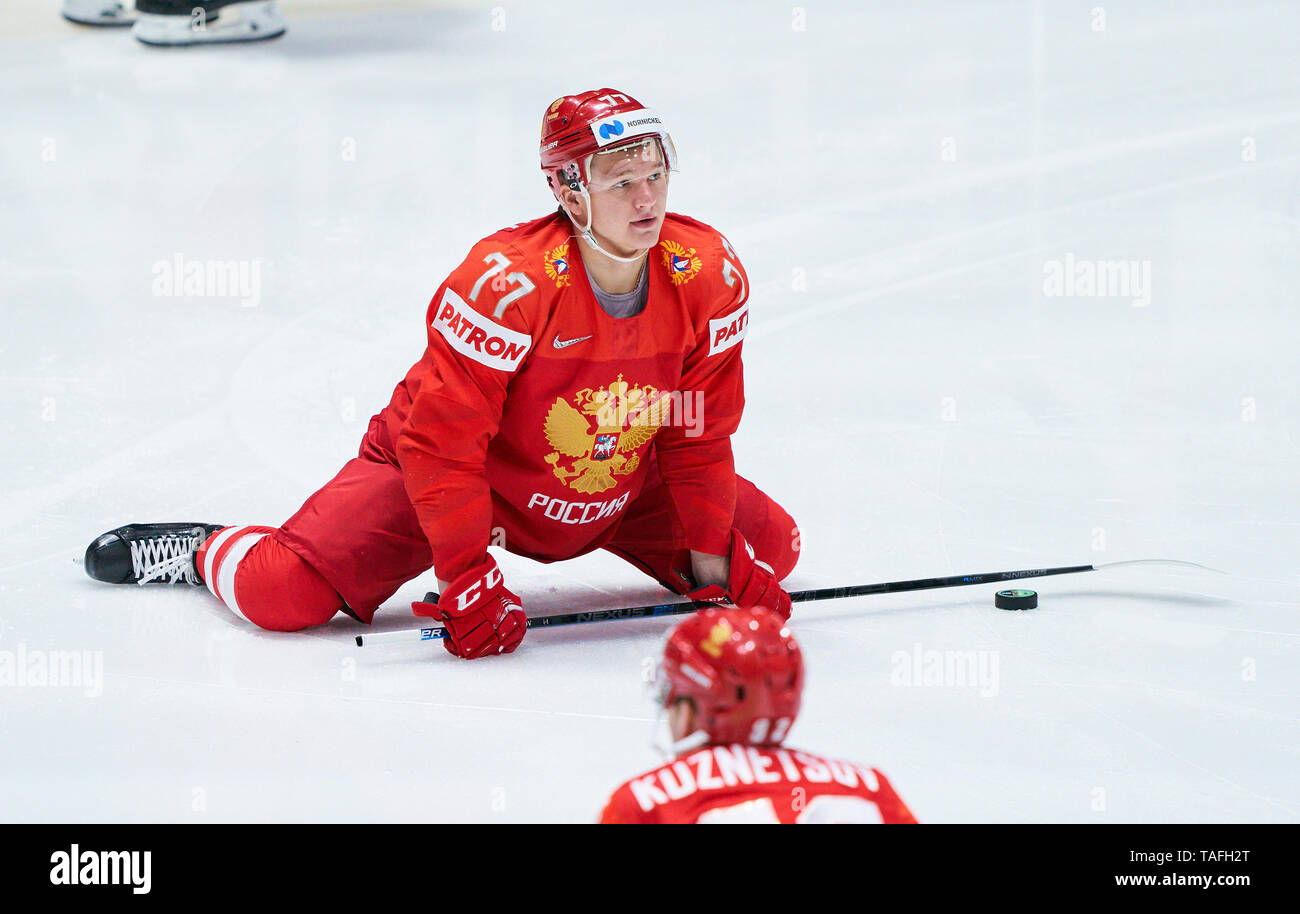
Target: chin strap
point(691, 741)
point(588, 236)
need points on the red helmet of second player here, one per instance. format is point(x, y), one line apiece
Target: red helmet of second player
point(576, 127)
point(742, 668)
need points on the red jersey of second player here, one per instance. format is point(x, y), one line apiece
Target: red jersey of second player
point(719, 785)
point(535, 412)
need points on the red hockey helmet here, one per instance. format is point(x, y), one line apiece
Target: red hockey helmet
point(576, 127)
point(742, 668)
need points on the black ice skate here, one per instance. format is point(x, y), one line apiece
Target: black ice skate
point(148, 554)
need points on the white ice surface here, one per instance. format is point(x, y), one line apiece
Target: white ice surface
point(1080, 430)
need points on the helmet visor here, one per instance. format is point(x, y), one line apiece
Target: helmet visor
point(619, 169)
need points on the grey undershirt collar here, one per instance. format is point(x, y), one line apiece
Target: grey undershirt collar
point(623, 304)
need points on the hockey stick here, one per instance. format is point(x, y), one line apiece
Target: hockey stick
point(436, 632)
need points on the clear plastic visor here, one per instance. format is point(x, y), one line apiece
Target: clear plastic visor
point(622, 169)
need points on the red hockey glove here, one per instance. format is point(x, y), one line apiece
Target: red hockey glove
point(482, 617)
point(750, 584)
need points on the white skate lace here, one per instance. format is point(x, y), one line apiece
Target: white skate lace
point(168, 557)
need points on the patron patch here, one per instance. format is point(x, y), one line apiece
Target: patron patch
point(477, 337)
point(725, 332)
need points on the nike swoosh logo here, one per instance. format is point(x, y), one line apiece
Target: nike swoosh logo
point(560, 344)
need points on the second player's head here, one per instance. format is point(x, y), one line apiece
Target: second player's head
point(607, 160)
point(733, 675)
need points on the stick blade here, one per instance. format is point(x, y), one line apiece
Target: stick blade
point(1178, 562)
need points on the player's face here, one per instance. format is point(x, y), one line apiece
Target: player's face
point(629, 197)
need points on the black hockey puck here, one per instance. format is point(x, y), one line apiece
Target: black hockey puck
point(1016, 599)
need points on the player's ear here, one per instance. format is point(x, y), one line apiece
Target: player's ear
point(682, 718)
point(692, 716)
point(574, 204)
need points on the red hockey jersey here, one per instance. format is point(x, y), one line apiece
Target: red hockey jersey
point(534, 413)
point(738, 784)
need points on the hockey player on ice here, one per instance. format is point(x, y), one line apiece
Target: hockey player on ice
point(731, 682)
point(183, 22)
point(548, 415)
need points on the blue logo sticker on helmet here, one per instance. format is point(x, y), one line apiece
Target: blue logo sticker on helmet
point(622, 128)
